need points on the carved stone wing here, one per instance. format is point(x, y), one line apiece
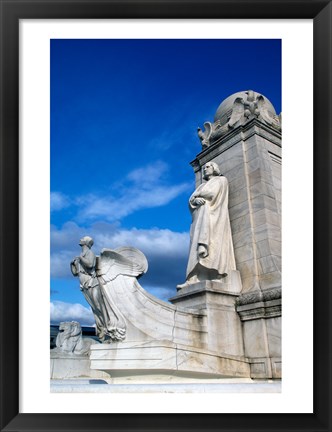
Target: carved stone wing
point(270, 119)
point(205, 136)
point(124, 261)
point(262, 109)
point(237, 112)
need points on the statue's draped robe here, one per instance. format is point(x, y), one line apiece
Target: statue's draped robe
point(91, 290)
point(211, 227)
point(108, 318)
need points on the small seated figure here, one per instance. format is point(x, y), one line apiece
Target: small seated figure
point(70, 340)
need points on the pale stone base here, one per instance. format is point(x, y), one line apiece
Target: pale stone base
point(64, 367)
point(217, 299)
point(230, 284)
point(155, 358)
point(201, 386)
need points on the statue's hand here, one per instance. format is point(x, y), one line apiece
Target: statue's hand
point(199, 201)
point(74, 266)
point(202, 251)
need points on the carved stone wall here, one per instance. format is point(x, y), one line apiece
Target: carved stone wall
point(250, 157)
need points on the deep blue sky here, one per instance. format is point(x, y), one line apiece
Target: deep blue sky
point(124, 115)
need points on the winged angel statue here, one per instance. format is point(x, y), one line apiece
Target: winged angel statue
point(97, 275)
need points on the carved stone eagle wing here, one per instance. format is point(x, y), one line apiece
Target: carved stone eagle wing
point(205, 136)
point(268, 117)
point(237, 112)
point(126, 261)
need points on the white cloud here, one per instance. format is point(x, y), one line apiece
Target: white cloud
point(66, 237)
point(62, 311)
point(144, 176)
point(145, 187)
point(142, 188)
point(155, 242)
point(166, 250)
point(60, 263)
point(135, 198)
point(59, 201)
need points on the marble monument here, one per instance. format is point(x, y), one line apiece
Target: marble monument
point(225, 319)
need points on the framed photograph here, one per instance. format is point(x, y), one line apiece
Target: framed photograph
point(57, 58)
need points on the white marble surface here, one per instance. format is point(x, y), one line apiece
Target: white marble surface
point(134, 358)
point(236, 386)
point(75, 367)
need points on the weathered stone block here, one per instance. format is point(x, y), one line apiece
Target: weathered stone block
point(268, 247)
point(240, 223)
point(254, 333)
point(249, 282)
point(269, 264)
point(66, 367)
point(239, 210)
point(273, 328)
point(259, 175)
point(267, 231)
point(263, 202)
point(241, 238)
point(266, 216)
point(244, 253)
point(236, 183)
point(157, 357)
point(259, 163)
point(262, 188)
point(247, 269)
point(270, 280)
point(235, 173)
point(238, 197)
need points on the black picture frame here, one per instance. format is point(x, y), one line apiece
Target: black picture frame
point(11, 12)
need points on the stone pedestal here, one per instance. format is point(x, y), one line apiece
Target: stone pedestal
point(66, 366)
point(217, 299)
point(260, 313)
point(160, 360)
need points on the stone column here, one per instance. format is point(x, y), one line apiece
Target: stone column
point(250, 157)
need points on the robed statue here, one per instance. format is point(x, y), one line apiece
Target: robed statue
point(211, 254)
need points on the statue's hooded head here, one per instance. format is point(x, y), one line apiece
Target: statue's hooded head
point(86, 240)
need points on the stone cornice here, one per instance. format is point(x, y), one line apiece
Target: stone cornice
point(243, 132)
point(259, 304)
point(270, 309)
point(259, 296)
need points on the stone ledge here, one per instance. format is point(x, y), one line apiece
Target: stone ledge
point(234, 136)
point(250, 386)
point(132, 358)
point(64, 367)
point(197, 289)
point(268, 309)
point(265, 367)
point(259, 296)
